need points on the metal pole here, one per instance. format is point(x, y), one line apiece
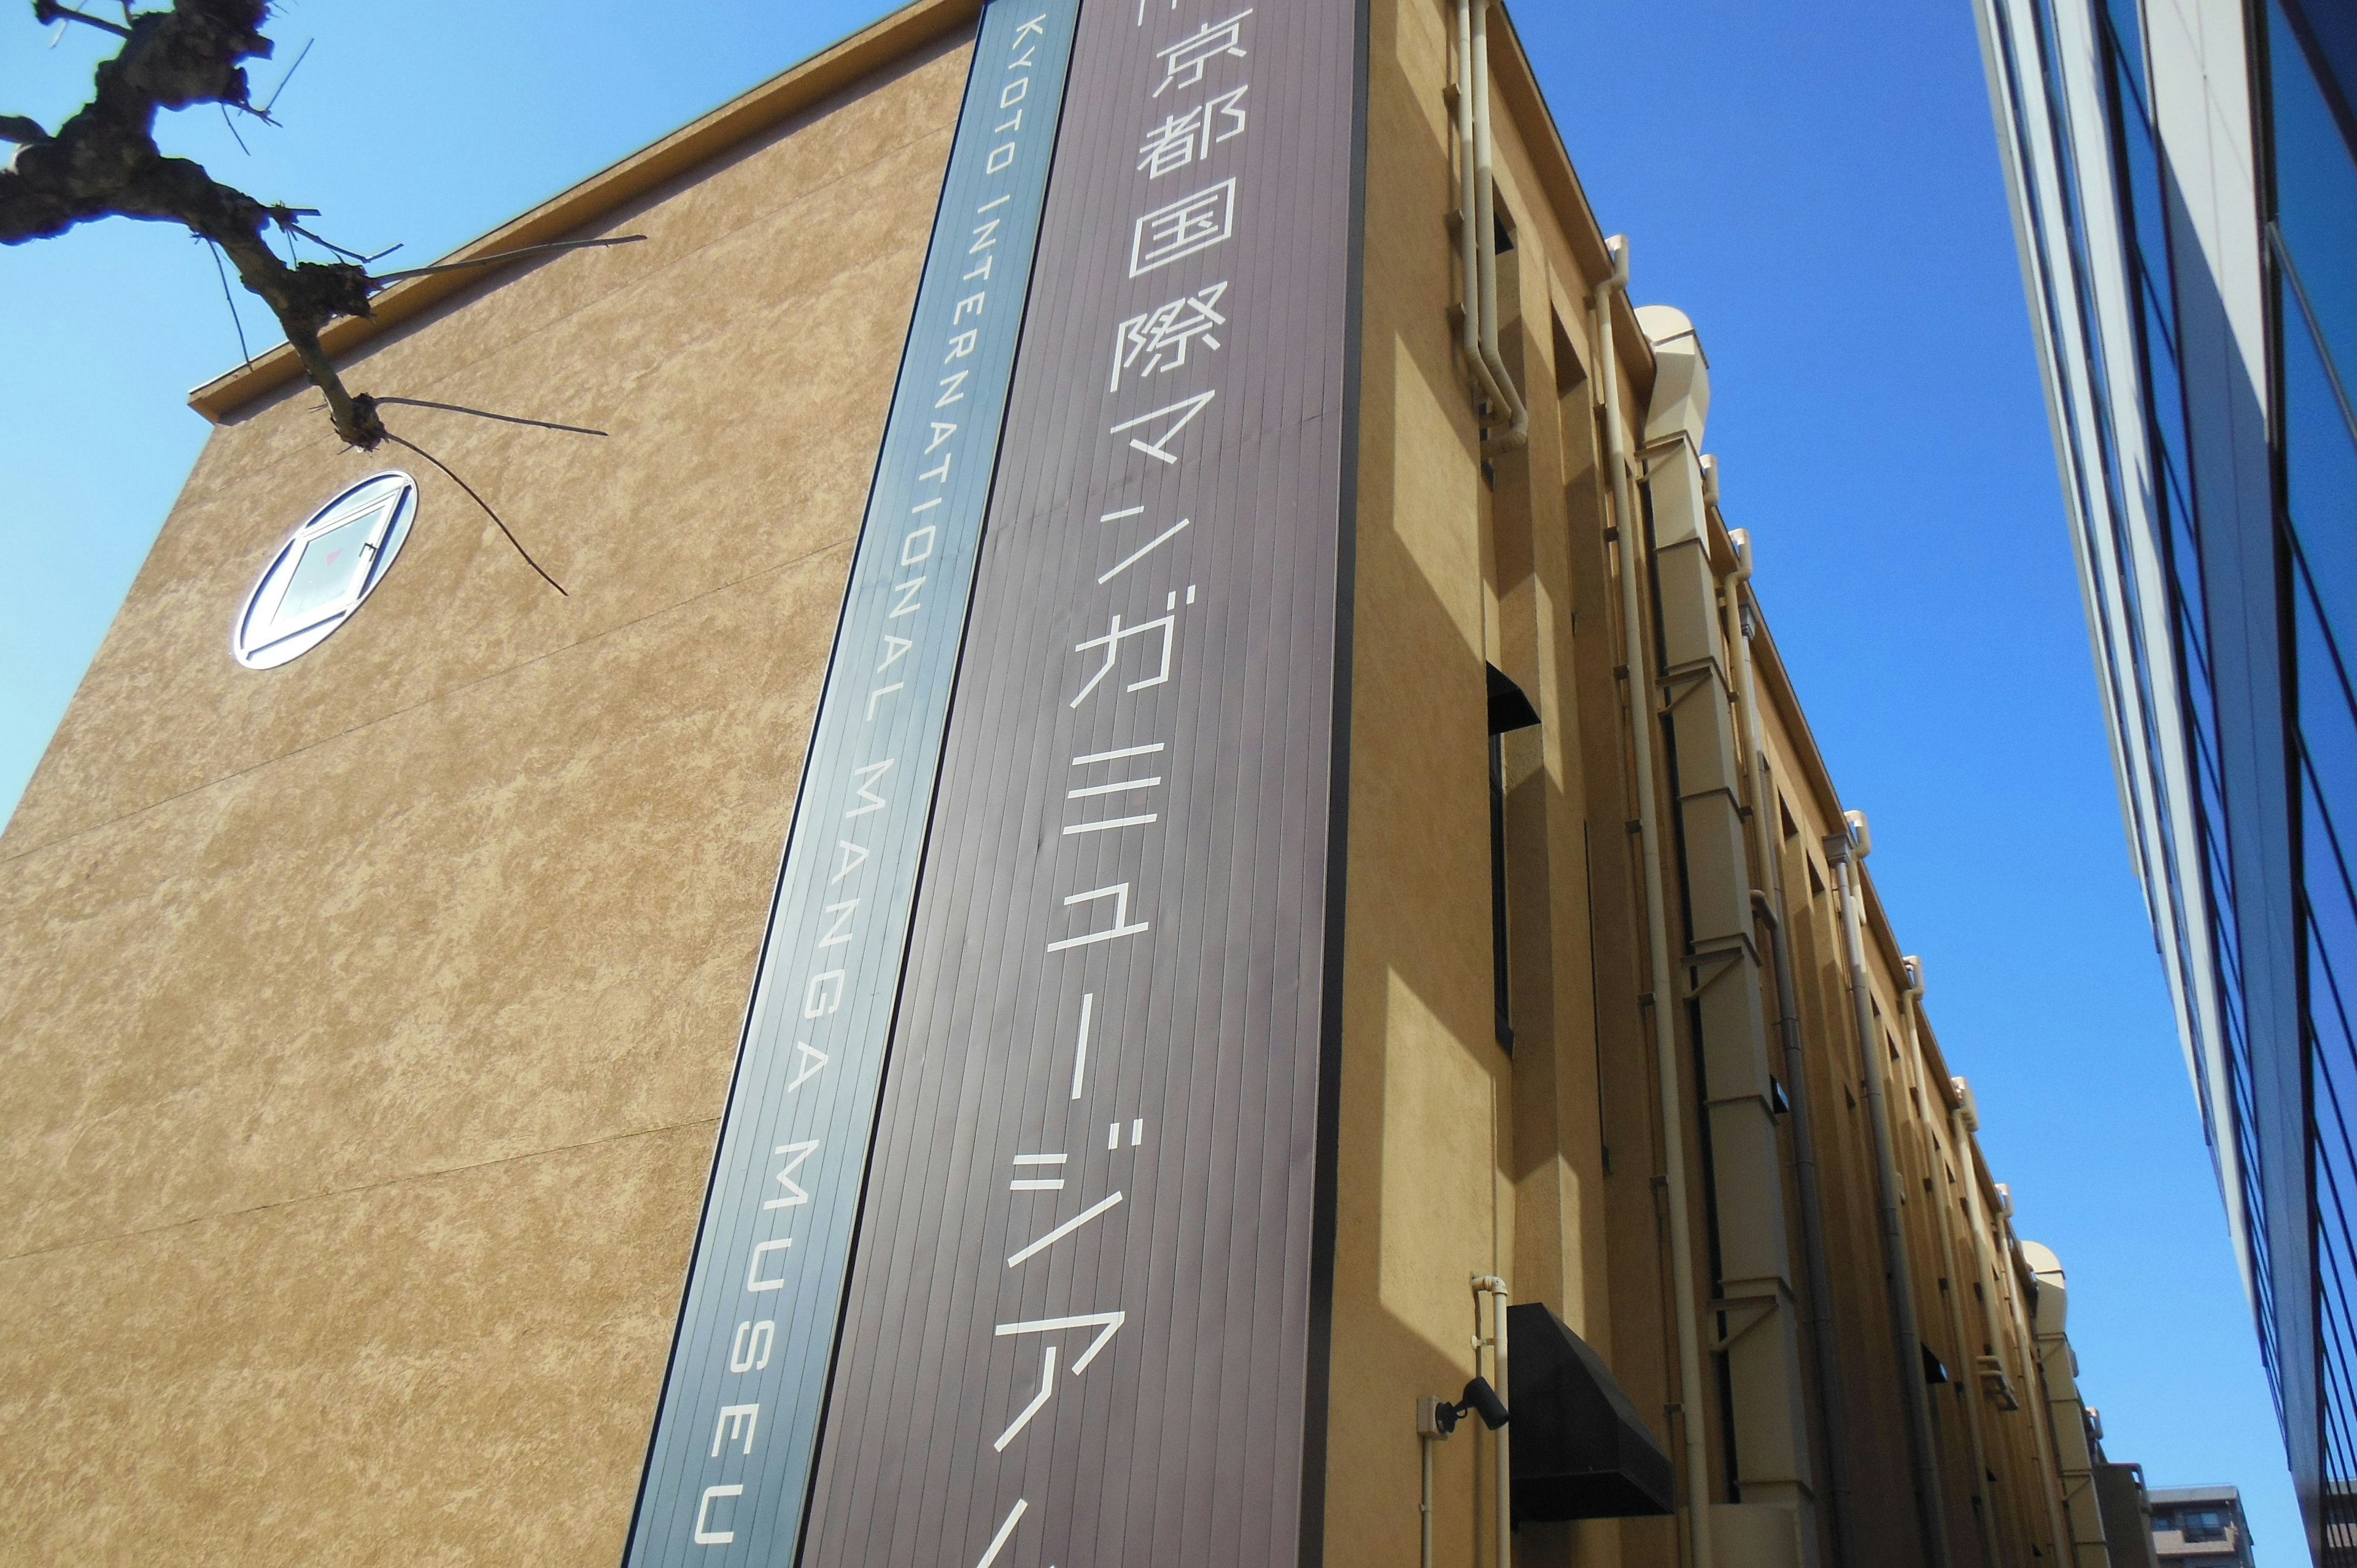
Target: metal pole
point(1518, 416)
point(1642, 719)
point(1426, 1443)
point(1847, 850)
point(1769, 905)
point(1982, 1509)
point(1495, 1289)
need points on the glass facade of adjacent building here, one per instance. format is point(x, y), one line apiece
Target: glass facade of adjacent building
point(2184, 184)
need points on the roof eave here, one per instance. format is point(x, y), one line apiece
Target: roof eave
point(872, 48)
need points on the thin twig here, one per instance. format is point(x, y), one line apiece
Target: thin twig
point(384, 278)
point(232, 130)
point(479, 501)
point(45, 11)
point(330, 244)
point(236, 319)
point(283, 81)
point(486, 414)
point(287, 222)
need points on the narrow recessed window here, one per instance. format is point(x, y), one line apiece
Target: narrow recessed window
point(1510, 710)
point(324, 570)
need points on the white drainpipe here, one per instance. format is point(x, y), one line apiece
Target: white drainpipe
point(1965, 1125)
point(1476, 229)
point(1983, 1505)
point(1643, 715)
point(1494, 1288)
point(1770, 904)
point(1848, 850)
point(2050, 1465)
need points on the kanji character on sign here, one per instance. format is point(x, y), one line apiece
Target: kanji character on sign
point(1183, 62)
point(1157, 340)
point(1183, 139)
point(1190, 224)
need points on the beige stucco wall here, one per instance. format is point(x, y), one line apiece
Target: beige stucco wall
point(1952, 1277)
point(1456, 1158)
point(366, 1022)
point(1423, 1088)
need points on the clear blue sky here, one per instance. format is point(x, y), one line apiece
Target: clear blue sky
point(1815, 185)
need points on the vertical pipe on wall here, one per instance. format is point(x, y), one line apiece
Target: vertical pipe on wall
point(1518, 414)
point(1965, 1125)
point(1752, 1291)
point(2049, 1466)
point(1425, 1440)
point(1769, 903)
point(1992, 1381)
point(1494, 1288)
point(1643, 721)
point(1847, 851)
point(1984, 1519)
point(1470, 242)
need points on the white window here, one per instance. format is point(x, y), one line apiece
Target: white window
point(324, 570)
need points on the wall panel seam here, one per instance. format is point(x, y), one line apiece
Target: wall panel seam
point(364, 1186)
point(837, 546)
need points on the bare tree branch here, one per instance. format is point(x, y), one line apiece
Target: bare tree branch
point(484, 413)
point(46, 11)
point(479, 501)
point(103, 163)
point(302, 54)
point(496, 257)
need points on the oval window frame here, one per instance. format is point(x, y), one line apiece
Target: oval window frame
point(256, 638)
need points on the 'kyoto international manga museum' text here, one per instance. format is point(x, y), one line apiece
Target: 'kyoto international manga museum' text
point(1156, 896)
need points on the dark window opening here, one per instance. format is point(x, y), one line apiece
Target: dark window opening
point(1510, 710)
point(1569, 373)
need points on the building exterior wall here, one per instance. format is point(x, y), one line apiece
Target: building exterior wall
point(2201, 1526)
point(367, 999)
point(1456, 1158)
point(1461, 1158)
point(370, 1018)
point(2180, 178)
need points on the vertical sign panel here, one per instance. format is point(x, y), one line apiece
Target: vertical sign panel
point(728, 1467)
point(1083, 1326)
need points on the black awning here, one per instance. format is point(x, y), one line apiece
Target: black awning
point(1580, 1449)
point(1934, 1370)
point(1509, 708)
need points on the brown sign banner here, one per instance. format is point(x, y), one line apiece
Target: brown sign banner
point(1086, 1318)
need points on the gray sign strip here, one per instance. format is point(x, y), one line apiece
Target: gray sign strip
point(728, 1467)
point(1082, 1314)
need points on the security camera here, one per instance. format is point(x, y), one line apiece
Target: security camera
point(1483, 1401)
point(1480, 1400)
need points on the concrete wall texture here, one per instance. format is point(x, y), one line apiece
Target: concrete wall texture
point(366, 1023)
